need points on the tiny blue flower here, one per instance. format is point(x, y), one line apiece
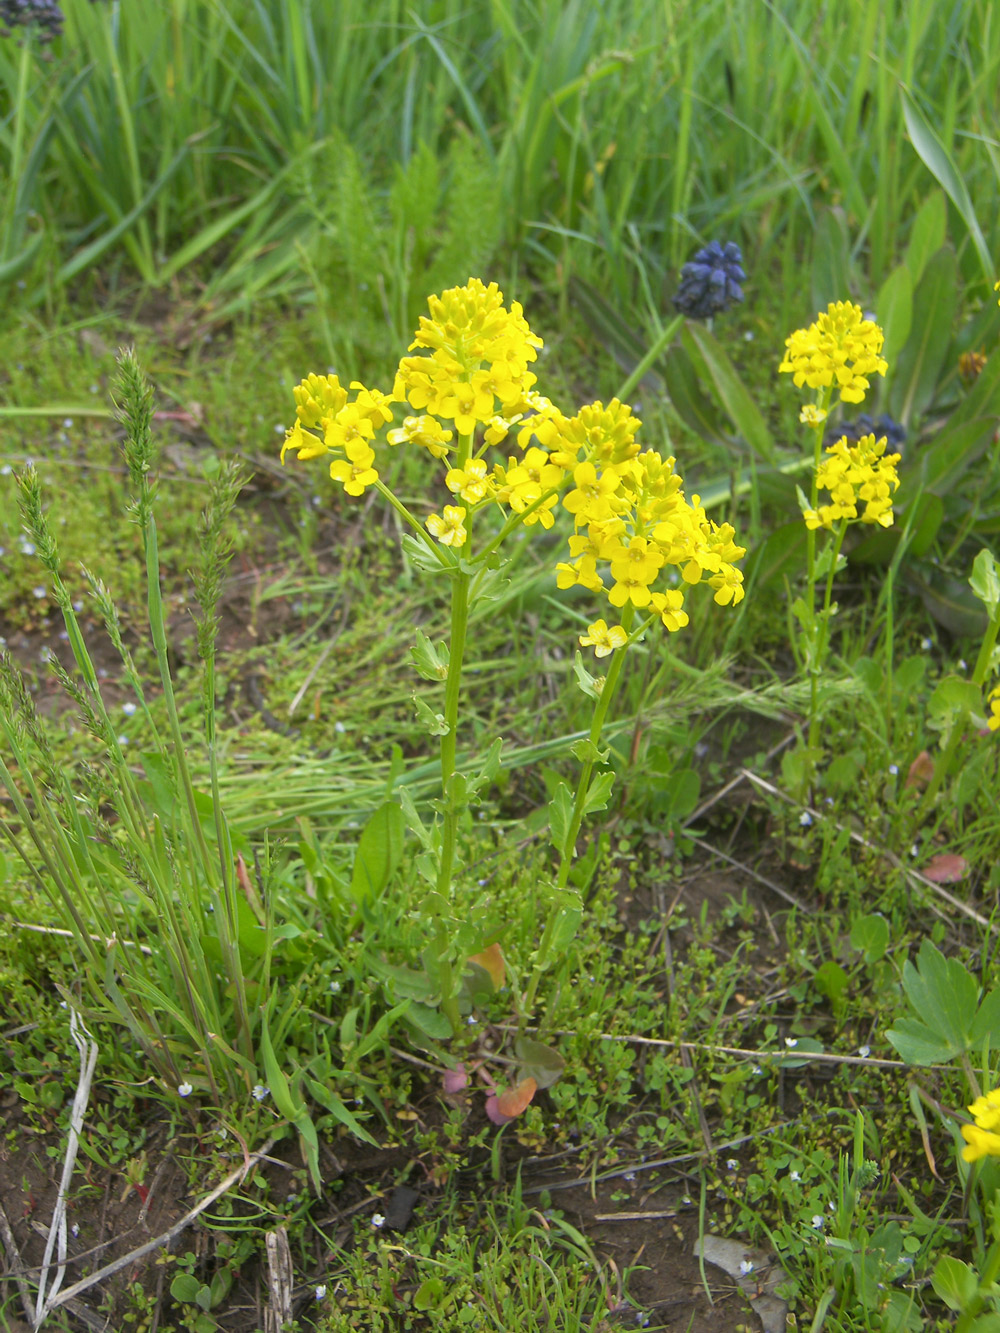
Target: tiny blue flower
point(184, 1089)
point(710, 283)
point(128, 709)
point(805, 819)
point(260, 1092)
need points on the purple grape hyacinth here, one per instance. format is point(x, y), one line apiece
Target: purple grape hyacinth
point(710, 283)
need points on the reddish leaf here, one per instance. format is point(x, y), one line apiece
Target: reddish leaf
point(454, 1080)
point(491, 960)
point(509, 1105)
point(946, 868)
point(921, 770)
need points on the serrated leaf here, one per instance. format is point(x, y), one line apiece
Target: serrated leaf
point(943, 994)
point(588, 684)
point(598, 793)
point(420, 554)
point(431, 660)
point(587, 752)
point(433, 723)
point(560, 815)
point(986, 1025)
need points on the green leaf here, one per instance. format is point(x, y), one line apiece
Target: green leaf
point(615, 334)
point(185, 1288)
point(487, 775)
point(952, 703)
point(943, 994)
point(542, 1063)
point(281, 1091)
point(560, 815)
point(429, 1295)
point(329, 1100)
point(780, 554)
point(948, 600)
point(420, 555)
point(587, 752)
point(584, 679)
point(986, 1025)
point(567, 912)
point(378, 854)
point(951, 453)
point(431, 660)
point(915, 376)
point(870, 936)
point(894, 312)
point(985, 581)
point(954, 1282)
point(939, 163)
point(927, 234)
point(689, 402)
point(918, 1044)
point(433, 723)
point(710, 359)
point(598, 793)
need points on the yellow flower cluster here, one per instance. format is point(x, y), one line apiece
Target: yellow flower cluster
point(840, 350)
point(993, 721)
point(855, 474)
point(983, 1138)
point(631, 518)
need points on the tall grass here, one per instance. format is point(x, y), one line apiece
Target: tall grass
point(203, 136)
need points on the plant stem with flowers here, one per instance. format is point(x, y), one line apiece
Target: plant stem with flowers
point(836, 353)
point(629, 511)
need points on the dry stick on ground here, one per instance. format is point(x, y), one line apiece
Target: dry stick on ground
point(913, 876)
point(14, 1265)
point(234, 1178)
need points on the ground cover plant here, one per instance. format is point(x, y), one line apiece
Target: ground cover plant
point(457, 873)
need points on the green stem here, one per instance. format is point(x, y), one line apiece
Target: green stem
point(414, 524)
point(655, 352)
point(568, 849)
point(822, 639)
point(449, 746)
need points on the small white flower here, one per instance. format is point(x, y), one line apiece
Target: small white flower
point(805, 819)
point(279, 429)
point(927, 644)
point(78, 605)
point(67, 423)
point(732, 1164)
point(818, 1221)
point(748, 336)
point(334, 987)
point(915, 849)
point(794, 1175)
point(75, 1229)
point(791, 1041)
point(27, 548)
point(746, 1266)
point(128, 709)
point(320, 1293)
point(39, 592)
point(963, 664)
point(629, 1175)
point(339, 728)
point(260, 1092)
point(378, 1220)
point(687, 1201)
point(184, 1089)
point(893, 769)
point(123, 740)
point(472, 1020)
point(864, 1051)
point(757, 1070)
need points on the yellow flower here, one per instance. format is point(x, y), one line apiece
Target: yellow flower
point(604, 639)
point(425, 431)
point(986, 1110)
point(979, 1143)
point(355, 472)
point(470, 482)
point(811, 415)
point(448, 527)
point(592, 499)
point(670, 606)
point(840, 350)
point(318, 397)
point(993, 722)
point(305, 442)
point(853, 473)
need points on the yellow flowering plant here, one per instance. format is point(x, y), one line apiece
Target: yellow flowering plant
point(507, 458)
point(835, 357)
